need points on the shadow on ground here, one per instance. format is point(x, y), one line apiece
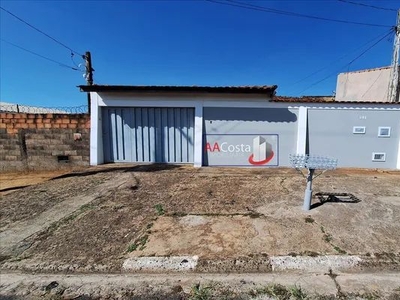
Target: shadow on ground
point(13, 188)
point(334, 198)
point(156, 167)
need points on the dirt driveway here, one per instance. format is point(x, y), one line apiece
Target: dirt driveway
point(92, 220)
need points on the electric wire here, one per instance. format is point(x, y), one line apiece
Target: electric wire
point(367, 5)
point(370, 87)
point(348, 64)
point(288, 13)
point(40, 31)
point(272, 10)
point(73, 61)
point(78, 66)
point(338, 59)
point(39, 55)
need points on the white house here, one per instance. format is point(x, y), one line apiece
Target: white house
point(237, 126)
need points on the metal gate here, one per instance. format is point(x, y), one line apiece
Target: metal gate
point(142, 134)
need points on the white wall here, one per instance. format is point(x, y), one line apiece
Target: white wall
point(199, 101)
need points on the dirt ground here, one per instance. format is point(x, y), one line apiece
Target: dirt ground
point(153, 210)
point(93, 219)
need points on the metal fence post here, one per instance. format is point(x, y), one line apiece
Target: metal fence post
point(311, 163)
point(308, 192)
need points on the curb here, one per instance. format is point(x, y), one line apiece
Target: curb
point(253, 263)
point(243, 264)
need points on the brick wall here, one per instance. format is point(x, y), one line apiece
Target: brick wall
point(43, 141)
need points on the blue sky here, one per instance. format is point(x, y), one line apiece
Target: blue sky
point(186, 43)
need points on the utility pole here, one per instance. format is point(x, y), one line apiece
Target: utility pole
point(89, 69)
point(393, 93)
point(88, 74)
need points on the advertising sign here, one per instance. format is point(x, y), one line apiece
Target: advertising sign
point(241, 150)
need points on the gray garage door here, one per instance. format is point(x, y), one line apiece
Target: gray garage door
point(142, 134)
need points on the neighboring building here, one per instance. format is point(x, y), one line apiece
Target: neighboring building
point(364, 85)
point(237, 126)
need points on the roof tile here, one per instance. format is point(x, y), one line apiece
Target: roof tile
point(256, 89)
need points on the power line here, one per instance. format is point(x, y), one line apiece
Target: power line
point(367, 5)
point(277, 11)
point(45, 34)
point(380, 73)
point(39, 55)
point(369, 48)
point(348, 64)
point(338, 59)
point(78, 66)
point(288, 13)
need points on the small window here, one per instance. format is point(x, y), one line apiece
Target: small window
point(384, 132)
point(378, 156)
point(359, 129)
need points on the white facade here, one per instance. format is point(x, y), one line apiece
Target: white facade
point(200, 101)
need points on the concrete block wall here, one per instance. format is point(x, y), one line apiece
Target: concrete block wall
point(43, 141)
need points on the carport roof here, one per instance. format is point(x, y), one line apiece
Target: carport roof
point(257, 89)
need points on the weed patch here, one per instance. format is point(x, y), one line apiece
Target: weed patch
point(328, 238)
point(138, 244)
point(159, 209)
point(141, 238)
point(132, 247)
point(338, 249)
point(371, 296)
point(280, 292)
point(200, 293)
point(308, 219)
point(297, 293)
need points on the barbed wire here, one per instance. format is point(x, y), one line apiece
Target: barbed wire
point(16, 108)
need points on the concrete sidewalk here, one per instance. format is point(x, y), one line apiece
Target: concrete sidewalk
point(184, 286)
